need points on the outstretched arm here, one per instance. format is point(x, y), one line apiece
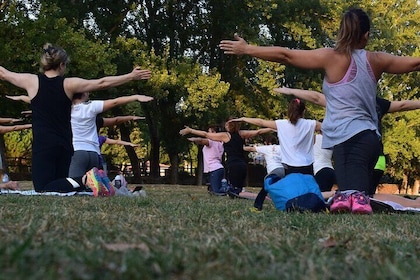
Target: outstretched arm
point(9, 120)
point(404, 105)
point(5, 129)
point(307, 95)
point(111, 103)
point(120, 142)
point(75, 85)
point(23, 98)
point(385, 62)
point(120, 119)
point(217, 136)
point(199, 141)
point(252, 133)
point(307, 59)
point(250, 149)
point(257, 122)
point(26, 81)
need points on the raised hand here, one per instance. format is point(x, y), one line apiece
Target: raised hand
point(234, 47)
point(241, 119)
point(140, 74)
point(144, 98)
point(185, 131)
point(283, 90)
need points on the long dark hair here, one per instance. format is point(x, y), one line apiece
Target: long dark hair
point(233, 126)
point(295, 110)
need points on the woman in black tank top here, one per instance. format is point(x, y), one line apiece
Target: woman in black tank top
point(233, 141)
point(50, 94)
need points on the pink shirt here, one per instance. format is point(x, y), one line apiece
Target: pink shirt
point(212, 156)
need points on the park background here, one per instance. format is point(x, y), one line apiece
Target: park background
point(193, 82)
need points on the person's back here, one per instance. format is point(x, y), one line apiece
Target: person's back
point(323, 168)
point(272, 156)
point(322, 157)
point(212, 154)
point(234, 149)
point(296, 141)
point(83, 123)
point(51, 131)
point(351, 103)
point(51, 114)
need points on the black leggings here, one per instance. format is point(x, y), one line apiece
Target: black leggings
point(325, 179)
point(50, 168)
point(236, 174)
point(354, 161)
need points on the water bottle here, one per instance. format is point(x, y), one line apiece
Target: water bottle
point(117, 181)
point(5, 178)
point(225, 186)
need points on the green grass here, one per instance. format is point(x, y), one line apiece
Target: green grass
point(180, 232)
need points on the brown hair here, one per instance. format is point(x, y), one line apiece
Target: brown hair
point(354, 25)
point(233, 126)
point(271, 139)
point(295, 110)
point(52, 57)
point(214, 127)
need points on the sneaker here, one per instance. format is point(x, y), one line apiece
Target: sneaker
point(107, 182)
point(360, 203)
point(341, 202)
point(234, 192)
point(217, 193)
point(255, 210)
point(94, 182)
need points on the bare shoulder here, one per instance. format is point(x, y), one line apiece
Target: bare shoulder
point(74, 85)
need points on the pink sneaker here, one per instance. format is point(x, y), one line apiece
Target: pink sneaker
point(341, 203)
point(360, 203)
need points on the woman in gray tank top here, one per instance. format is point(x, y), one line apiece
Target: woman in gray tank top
point(354, 138)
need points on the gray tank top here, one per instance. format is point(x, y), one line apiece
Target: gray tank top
point(351, 104)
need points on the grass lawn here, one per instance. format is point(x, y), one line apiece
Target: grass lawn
point(181, 232)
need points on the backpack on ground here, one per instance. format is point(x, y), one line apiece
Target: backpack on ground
point(295, 191)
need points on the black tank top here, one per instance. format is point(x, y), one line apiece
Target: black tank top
point(234, 149)
point(51, 114)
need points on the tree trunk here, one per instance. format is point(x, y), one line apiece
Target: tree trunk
point(3, 163)
point(415, 189)
point(404, 184)
point(134, 160)
point(173, 157)
point(154, 143)
point(200, 168)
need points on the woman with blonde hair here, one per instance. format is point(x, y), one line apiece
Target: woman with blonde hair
point(51, 97)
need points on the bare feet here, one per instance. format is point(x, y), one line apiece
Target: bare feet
point(11, 185)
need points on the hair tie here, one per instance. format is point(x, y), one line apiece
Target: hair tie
point(48, 50)
point(297, 101)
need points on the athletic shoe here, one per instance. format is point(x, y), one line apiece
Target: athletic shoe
point(94, 182)
point(360, 203)
point(234, 192)
point(341, 202)
point(217, 193)
point(255, 210)
point(107, 182)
